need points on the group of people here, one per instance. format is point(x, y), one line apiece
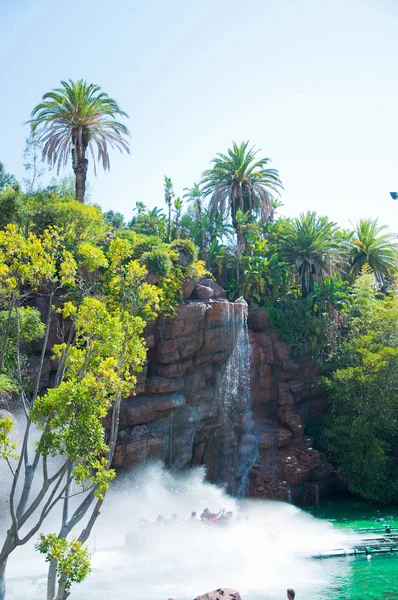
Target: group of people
point(207, 517)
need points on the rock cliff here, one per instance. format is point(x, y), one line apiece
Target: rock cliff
point(250, 434)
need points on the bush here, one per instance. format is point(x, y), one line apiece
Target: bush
point(187, 251)
point(157, 262)
point(145, 244)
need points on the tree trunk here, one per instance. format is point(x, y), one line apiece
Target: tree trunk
point(81, 174)
point(80, 163)
point(3, 566)
point(52, 579)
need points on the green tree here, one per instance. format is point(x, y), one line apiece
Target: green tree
point(116, 219)
point(370, 246)
point(6, 179)
point(308, 244)
point(240, 181)
point(74, 119)
point(107, 301)
point(149, 222)
point(168, 198)
point(362, 431)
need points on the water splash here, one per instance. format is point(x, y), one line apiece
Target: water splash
point(260, 555)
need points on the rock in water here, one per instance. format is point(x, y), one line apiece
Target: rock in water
point(220, 594)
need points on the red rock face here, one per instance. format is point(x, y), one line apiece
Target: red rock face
point(176, 416)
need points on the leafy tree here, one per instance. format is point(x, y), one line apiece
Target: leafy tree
point(370, 246)
point(74, 118)
point(6, 179)
point(12, 207)
point(149, 222)
point(107, 300)
point(362, 432)
point(240, 181)
point(116, 219)
point(168, 198)
point(308, 244)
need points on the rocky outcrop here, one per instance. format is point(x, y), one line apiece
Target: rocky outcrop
point(220, 594)
point(178, 415)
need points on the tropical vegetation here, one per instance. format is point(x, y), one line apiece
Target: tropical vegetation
point(329, 292)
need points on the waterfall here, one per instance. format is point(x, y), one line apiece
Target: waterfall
point(235, 398)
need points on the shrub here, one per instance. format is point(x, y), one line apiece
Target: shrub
point(187, 250)
point(143, 245)
point(157, 262)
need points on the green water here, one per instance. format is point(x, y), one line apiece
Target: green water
point(359, 578)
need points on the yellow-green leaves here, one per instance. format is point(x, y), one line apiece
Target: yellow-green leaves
point(7, 447)
point(73, 560)
point(92, 257)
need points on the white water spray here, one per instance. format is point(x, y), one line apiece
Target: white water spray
point(260, 554)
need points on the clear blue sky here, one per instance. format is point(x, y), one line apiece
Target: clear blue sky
point(313, 83)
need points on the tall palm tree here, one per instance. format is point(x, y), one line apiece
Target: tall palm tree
point(74, 118)
point(239, 181)
point(193, 196)
point(308, 244)
point(373, 247)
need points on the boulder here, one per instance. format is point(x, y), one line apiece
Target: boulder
point(203, 292)
point(188, 287)
point(218, 291)
point(257, 320)
point(220, 594)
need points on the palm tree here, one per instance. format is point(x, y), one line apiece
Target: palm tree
point(168, 198)
point(308, 244)
point(370, 246)
point(239, 181)
point(76, 117)
point(193, 196)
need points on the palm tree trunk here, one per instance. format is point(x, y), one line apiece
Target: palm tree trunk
point(80, 164)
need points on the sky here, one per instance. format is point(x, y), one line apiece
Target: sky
point(311, 83)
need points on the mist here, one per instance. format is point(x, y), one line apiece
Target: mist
point(261, 553)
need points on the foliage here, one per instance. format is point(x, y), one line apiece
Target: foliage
point(362, 433)
point(144, 244)
point(76, 117)
point(115, 219)
point(149, 222)
point(80, 223)
point(308, 244)
point(73, 561)
point(370, 246)
point(6, 179)
point(157, 262)
point(240, 181)
point(12, 209)
point(168, 198)
point(187, 251)
point(7, 447)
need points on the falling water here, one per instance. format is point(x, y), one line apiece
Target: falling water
point(235, 397)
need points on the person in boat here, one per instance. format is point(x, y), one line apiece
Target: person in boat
point(206, 515)
point(215, 518)
point(226, 517)
point(291, 594)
